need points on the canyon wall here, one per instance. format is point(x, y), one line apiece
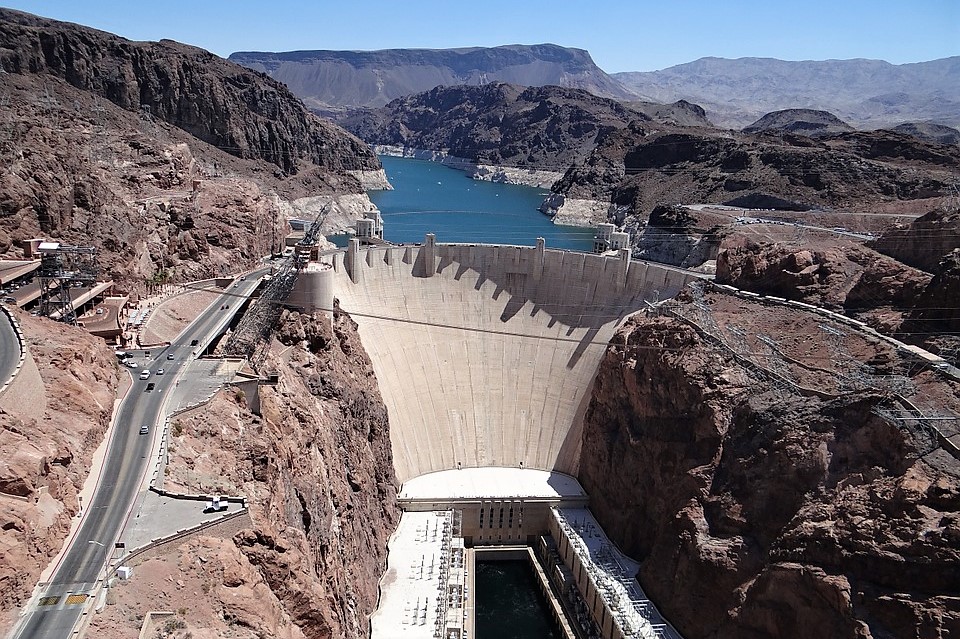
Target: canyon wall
point(243, 112)
point(48, 434)
point(762, 510)
point(316, 470)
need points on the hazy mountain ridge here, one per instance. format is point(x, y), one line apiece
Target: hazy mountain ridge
point(864, 93)
point(325, 79)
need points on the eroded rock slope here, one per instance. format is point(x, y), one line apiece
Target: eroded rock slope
point(48, 434)
point(317, 471)
point(767, 509)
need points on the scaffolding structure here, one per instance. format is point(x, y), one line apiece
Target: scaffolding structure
point(61, 268)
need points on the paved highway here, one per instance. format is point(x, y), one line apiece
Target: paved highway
point(62, 600)
point(9, 348)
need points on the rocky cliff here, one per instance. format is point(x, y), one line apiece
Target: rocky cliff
point(82, 163)
point(638, 167)
point(325, 79)
point(925, 241)
point(808, 122)
point(764, 496)
point(235, 109)
point(316, 468)
point(47, 440)
point(546, 128)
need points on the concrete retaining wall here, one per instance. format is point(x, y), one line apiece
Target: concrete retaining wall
point(225, 527)
point(485, 355)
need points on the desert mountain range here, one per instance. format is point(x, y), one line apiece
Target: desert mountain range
point(734, 93)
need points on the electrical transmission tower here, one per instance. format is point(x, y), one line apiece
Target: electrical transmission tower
point(61, 267)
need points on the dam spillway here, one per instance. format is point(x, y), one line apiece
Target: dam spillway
point(485, 354)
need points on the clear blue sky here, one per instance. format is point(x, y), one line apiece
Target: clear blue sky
point(622, 35)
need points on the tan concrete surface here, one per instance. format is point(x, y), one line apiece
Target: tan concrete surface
point(485, 355)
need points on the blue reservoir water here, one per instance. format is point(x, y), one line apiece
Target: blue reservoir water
point(431, 198)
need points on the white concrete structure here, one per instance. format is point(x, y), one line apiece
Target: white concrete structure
point(605, 578)
point(370, 225)
point(485, 355)
point(313, 290)
point(492, 483)
point(423, 590)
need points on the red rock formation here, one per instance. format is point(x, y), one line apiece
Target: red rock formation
point(764, 514)
point(46, 445)
point(317, 471)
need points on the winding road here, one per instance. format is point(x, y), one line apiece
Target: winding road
point(55, 612)
point(9, 348)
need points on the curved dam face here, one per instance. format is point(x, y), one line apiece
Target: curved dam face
point(485, 355)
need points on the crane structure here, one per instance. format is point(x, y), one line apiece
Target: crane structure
point(253, 332)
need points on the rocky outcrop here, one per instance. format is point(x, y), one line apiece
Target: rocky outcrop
point(47, 443)
point(929, 132)
point(808, 122)
point(157, 202)
point(933, 321)
point(764, 514)
point(835, 277)
point(924, 242)
point(325, 79)
point(316, 468)
point(240, 111)
point(541, 128)
point(641, 166)
point(674, 236)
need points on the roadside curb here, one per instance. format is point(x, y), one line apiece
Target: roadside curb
point(23, 346)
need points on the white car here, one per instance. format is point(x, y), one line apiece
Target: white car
point(145, 374)
point(129, 363)
point(159, 371)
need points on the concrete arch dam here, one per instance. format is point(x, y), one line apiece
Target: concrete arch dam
point(486, 355)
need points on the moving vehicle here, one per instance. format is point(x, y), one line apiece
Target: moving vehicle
point(145, 374)
point(151, 386)
point(159, 371)
point(144, 429)
point(170, 356)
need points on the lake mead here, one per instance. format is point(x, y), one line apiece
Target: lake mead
point(429, 197)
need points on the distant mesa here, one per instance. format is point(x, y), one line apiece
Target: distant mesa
point(808, 122)
point(929, 132)
point(330, 79)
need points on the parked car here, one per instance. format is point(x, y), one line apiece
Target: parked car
point(129, 363)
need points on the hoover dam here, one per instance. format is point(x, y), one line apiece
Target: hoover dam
point(485, 356)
